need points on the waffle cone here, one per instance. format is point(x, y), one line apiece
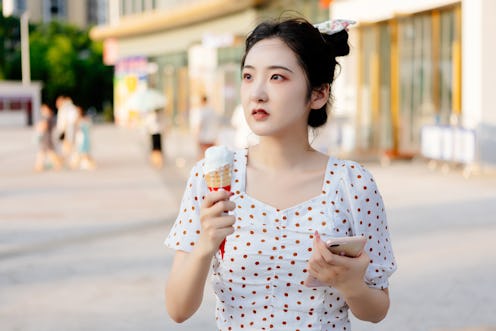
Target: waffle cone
point(219, 178)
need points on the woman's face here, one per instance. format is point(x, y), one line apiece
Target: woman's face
point(274, 89)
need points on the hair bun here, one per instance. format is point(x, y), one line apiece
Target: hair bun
point(338, 43)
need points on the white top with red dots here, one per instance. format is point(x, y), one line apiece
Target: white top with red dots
point(259, 282)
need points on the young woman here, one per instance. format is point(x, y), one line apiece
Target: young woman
point(287, 199)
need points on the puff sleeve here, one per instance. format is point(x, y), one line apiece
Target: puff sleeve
point(369, 220)
point(186, 229)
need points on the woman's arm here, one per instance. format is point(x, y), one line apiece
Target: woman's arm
point(368, 304)
point(347, 276)
point(184, 289)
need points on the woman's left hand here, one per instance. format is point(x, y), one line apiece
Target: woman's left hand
point(341, 272)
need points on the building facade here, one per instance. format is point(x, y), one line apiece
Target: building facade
point(20, 101)
point(416, 82)
point(185, 49)
point(83, 13)
point(419, 79)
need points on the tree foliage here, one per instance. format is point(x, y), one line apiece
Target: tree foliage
point(63, 58)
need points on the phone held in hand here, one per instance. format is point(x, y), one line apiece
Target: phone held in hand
point(347, 246)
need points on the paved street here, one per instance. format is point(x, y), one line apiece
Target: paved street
point(82, 250)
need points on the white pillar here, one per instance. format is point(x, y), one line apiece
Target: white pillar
point(488, 62)
point(26, 68)
point(478, 62)
point(471, 62)
point(478, 75)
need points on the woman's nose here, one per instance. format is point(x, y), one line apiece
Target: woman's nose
point(259, 93)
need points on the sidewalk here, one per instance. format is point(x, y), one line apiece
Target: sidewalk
point(123, 193)
point(82, 250)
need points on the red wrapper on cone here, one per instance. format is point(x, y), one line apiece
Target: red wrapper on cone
point(220, 179)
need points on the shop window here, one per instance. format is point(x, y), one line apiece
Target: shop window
point(416, 64)
point(367, 82)
point(409, 76)
point(385, 127)
point(54, 9)
point(447, 40)
point(428, 53)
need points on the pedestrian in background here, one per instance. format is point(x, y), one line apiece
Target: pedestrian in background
point(67, 115)
point(46, 155)
point(287, 199)
point(154, 127)
point(81, 158)
point(204, 124)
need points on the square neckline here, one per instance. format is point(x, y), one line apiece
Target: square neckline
point(242, 174)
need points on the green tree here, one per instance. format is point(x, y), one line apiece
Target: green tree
point(10, 59)
point(64, 59)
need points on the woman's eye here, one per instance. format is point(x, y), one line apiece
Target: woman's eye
point(277, 77)
point(246, 76)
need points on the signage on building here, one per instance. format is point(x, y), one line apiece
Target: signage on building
point(110, 51)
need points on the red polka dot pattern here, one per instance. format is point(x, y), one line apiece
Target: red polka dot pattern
point(259, 283)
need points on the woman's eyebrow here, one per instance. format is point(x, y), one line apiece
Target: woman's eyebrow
point(270, 67)
point(281, 67)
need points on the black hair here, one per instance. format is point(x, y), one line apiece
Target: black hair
point(316, 53)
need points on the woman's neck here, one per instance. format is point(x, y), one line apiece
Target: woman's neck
point(275, 154)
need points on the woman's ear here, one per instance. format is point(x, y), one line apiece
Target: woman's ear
point(319, 96)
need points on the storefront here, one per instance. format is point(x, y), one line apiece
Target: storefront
point(408, 75)
point(411, 70)
point(193, 50)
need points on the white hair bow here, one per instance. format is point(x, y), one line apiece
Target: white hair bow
point(333, 26)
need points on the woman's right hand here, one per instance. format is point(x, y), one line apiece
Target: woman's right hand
point(216, 225)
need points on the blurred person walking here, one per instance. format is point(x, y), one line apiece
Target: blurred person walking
point(154, 127)
point(204, 124)
point(67, 115)
point(46, 149)
point(81, 157)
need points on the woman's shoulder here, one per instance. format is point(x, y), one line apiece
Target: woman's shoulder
point(348, 169)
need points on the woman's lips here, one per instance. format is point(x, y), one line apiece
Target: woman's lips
point(259, 114)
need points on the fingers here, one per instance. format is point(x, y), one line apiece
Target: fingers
point(321, 252)
point(215, 203)
point(216, 224)
point(215, 196)
point(224, 221)
point(221, 226)
point(322, 255)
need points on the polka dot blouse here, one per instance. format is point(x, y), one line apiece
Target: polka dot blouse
point(259, 283)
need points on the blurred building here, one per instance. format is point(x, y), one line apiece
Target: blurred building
point(83, 13)
point(185, 48)
point(19, 102)
point(420, 78)
point(411, 85)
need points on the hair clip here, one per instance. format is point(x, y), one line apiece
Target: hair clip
point(333, 26)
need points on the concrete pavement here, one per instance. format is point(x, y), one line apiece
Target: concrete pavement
point(82, 250)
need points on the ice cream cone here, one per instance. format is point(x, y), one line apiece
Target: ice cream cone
point(217, 170)
point(220, 178)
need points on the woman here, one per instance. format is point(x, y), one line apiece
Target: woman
point(287, 200)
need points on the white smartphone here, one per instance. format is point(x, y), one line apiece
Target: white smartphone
point(348, 246)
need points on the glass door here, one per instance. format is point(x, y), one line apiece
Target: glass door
point(416, 77)
point(375, 129)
